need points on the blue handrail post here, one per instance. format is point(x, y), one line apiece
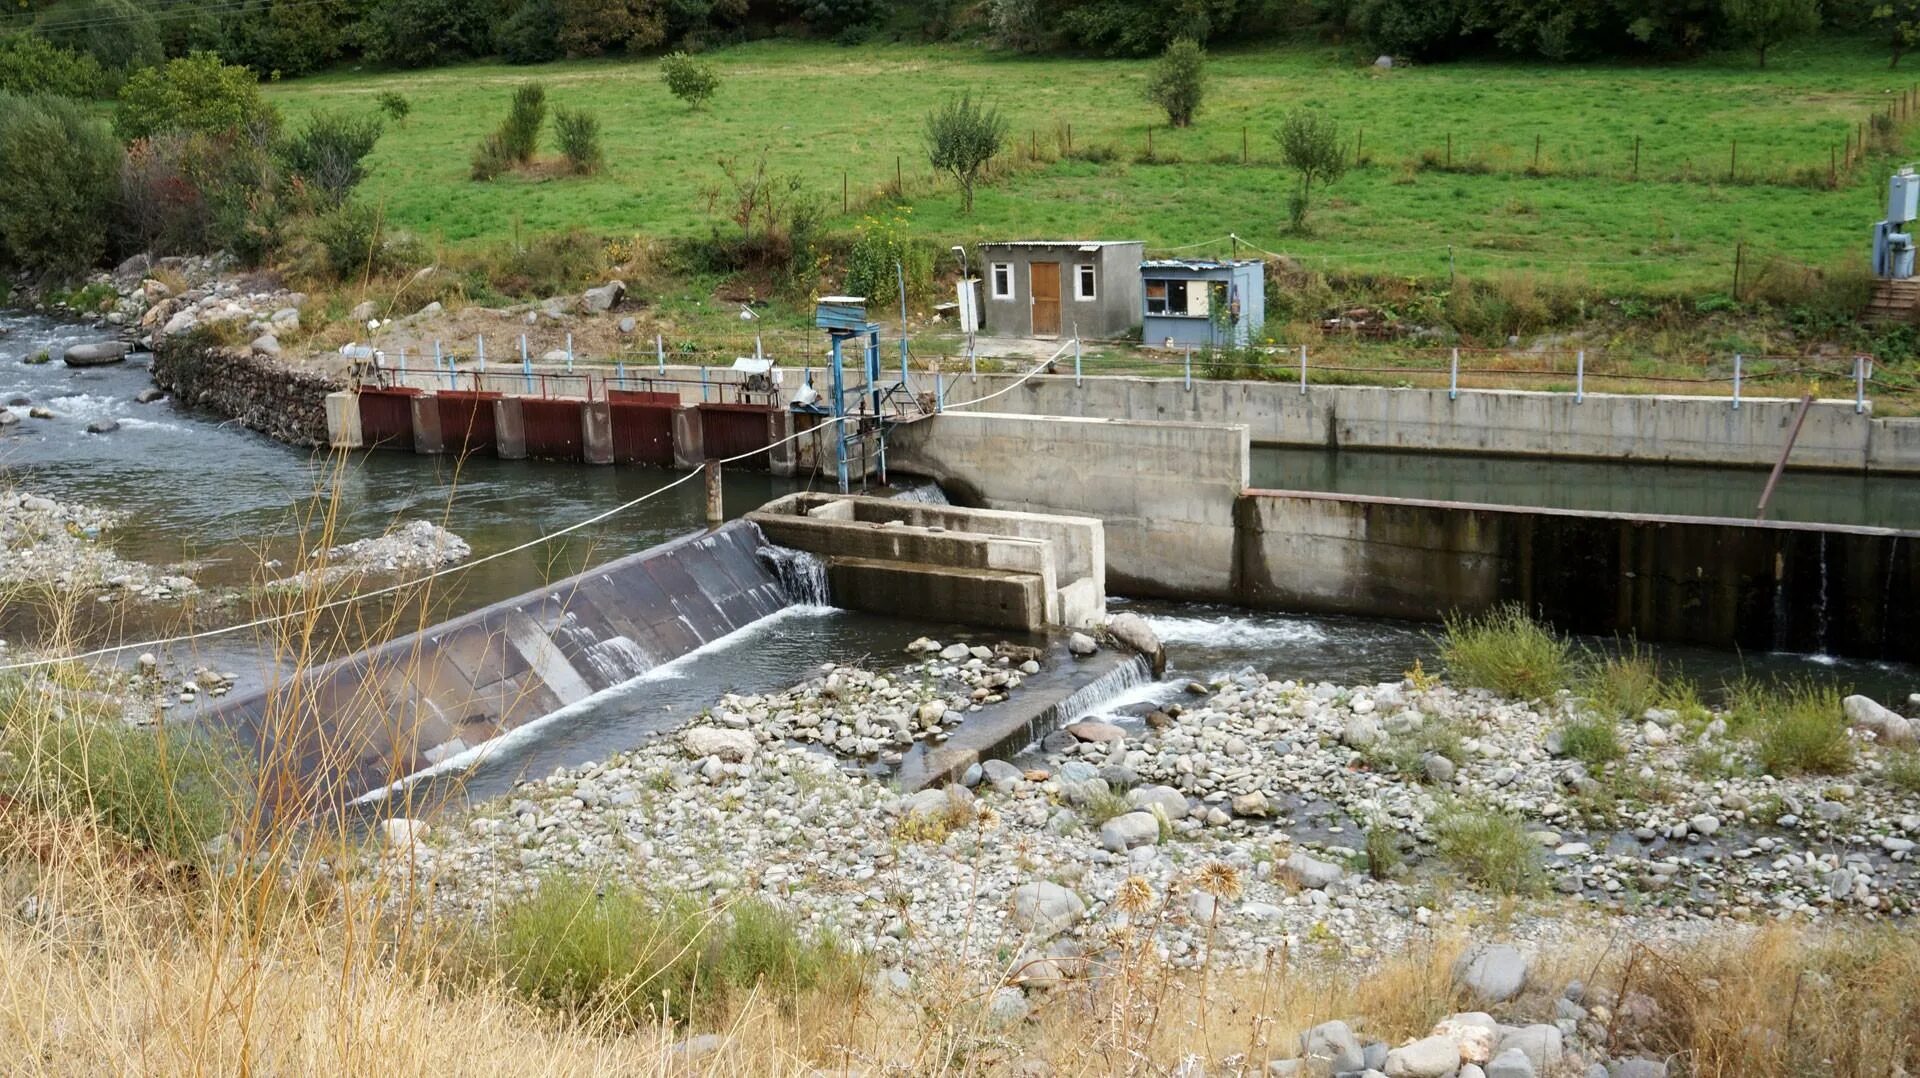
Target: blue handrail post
point(1736, 381)
point(1453, 377)
point(1580, 377)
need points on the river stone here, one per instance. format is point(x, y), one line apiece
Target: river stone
point(627, 324)
point(1002, 775)
point(1171, 801)
point(401, 832)
point(1133, 631)
point(1129, 830)
point(1439, 769)
point(1046, 908)
point(1008, 1007)
point(1884, 723)
point(1472, 1032)
point(1096, 731)
point(1311, 872)
point(149, 395)
point(954, 652)
point(8, 419)
point(18, 401)
point(555, 355)
point(267, 345)
point(1512, 1063)
point(604, 298)
point(1493, 973)
point(1081, 644)
point(1430, 1057)
point(1540, 1043)
point(37, 412)
point(1637, 1068)
point(734, 746)
point(96, 353)
point(1334, 1043)
point(1251, 804)
point(103, 426)
point(1359, 732)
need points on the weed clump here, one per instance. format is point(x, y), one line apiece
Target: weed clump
point(578, 132)
point(1490, 848)
point(1592, 739)
point(1797, 727)
point(1506, 651)
point(1620, 686)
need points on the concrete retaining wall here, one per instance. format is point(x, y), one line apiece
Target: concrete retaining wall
point(372, 718)
point(1166, 491)
point(1756, 586)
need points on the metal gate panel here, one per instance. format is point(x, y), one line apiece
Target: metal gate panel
point(466, 420)
point(642, 433)
point(386, 417)
point(552, 428)
point(643, 396)
point(729, 430)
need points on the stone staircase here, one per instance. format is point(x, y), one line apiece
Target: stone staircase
point(1894, 301)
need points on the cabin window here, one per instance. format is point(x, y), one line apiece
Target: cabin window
point(1169, 297)
point(1083, 283)
point(1003, 280)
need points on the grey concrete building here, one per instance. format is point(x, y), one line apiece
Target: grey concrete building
point(1056, 288)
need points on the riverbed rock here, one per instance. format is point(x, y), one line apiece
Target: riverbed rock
point(1002, 775)
point(1128, 830)
point(1312, 873)
point(1081, 644)
point(1171, 802)
point(1512, 1063)
point(1334, 1044)
point(1132, 631)
point(1886, 725)
point(1098, 732)
point(1429, 1057)
point(733, 746)
point(8, 419)
point(1046, 908)
point(103, 426)
point(1539, 1043)
point(401, 833)
point(96, 353)
point(150, 395)
point(1637, 1068)
point(604, 298)
point(1492, 973)
point(39, 412)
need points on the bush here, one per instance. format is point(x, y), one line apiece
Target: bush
point(1506, 651)
point(1591, 739)
point(164, 790)
point(689, 79)
point(520, 134)
point(1620, 686)
point(327, 154)
point(194, 192)
point(57, 167)
point(591, 27)
point(348, 242)
point(491, 158)
point(120, 35)
point(196, 93)
point(614, 953)
point(420, 33)
point(1179, 81)
point(1489, 848)
point(879, 243)
point(395, 105)
point(1797, 727)
point(31, 65)
point(1384, 859)
point(546, 265)
point(1902, 770)
point(532, 34)
point(578, 132)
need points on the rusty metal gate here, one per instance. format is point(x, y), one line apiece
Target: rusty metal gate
point(386, 416)
point(466, 420)
point(552, 428)
point(729, 430)
point(642, 426)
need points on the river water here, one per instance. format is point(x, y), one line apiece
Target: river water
point(192, 488)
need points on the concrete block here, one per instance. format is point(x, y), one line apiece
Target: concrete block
point(343, 420)
point(427, 437)
point(596, 432)
point(689, 445)
point(509, 429)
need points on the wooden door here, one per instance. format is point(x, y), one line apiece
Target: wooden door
point(1046, 298)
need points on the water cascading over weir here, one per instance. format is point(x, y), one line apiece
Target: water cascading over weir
point(370, 720)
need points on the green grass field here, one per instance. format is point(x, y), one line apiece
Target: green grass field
point(825, 112)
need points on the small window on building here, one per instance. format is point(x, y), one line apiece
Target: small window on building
point(1083, 283)
point(1170, 298)
point(1003, 280)
point(1156, 297)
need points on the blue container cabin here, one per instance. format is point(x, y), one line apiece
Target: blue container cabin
point(1201, 303)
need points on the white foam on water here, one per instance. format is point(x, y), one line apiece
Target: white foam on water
point(1228, 631)
point(1150, 692)
point(520, 735)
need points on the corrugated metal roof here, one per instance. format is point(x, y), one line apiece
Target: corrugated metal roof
point(1063, 243)
point(1195, 263)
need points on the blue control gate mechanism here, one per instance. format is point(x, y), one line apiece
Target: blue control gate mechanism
point(858, 405)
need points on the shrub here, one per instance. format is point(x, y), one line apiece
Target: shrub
point(520, 134)
point(420, 33)
point(546, 265)
point(616, 953)
point(120, 35)
point(350, 241)
point(1406, 754)
point(29, 64)
point(879, 243)
point(1591, 739)
point(1620, 686)
point(689, 79)
point(1019, 25)
point(1310, 144)
point(395, 104)
point(591, 27)
point(491, 158)
point(578, 132)
point(1506, 651)
point(327, 154)
point(1797, 727)
point(1384, 859)
point(532, 34)
point(167, 791)
point(1902, 770)
point(194, 192)
point(1489, 848)
point(195, 93)
point(1178, 81)
point(57, 167)
point(962, 136)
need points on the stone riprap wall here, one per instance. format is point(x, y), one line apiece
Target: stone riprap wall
point(285, 403)
point(1762, 586)
point(373, 718)
point(1165, 491)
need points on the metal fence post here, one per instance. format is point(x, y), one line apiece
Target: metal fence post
point(620, 373)
point(1736, 381)
point(480, 357)
point(660, 352)
point(973, 362)
point(436, 365)
point(939, 390)
point(569, 353)
point(1859, 384)
point(526, 363)
point(1189, 368)
point(1076, 362)
point(703, 383)
point(1453, 378)
point(1580, 377)
point(1303, 369)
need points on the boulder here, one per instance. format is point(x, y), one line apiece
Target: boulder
point(1002, 775)
point(8, 419)
point(37, 412)
point(1359, 732)
point(402, 833)
point(1082, 644)
point(1046, 908)
point(1096, 731)
point(1887, 726)
point(149, 395)
point(1334, 1044)
point(1512, 1063)
point(1472, 1032)
point(1540, 1043)
point(1172, 802)
point(1251, 804)
point(1383, 62)
point(1132, 631)
point(731, 745)
point(1492, 973)
point(1637, 1068)
point(1311, 872)
point(627, 324)
point(604, 298)
point(1129, 830)
point(96, 353)
point(267, 345)
point(103, 426)
point(1430, 1057)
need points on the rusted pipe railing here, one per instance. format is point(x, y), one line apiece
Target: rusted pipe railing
point(1799, 417)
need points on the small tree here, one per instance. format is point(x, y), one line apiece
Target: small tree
point(520, 135)
point(578, 132)
point(689, 79)
point(962, 136)
point(1899, 20)
point(195, 93)
point(1762, 24)
point(1310, 144)
point(327, 154)
point(1179, 80)
point(395, 105)
point(57, 169)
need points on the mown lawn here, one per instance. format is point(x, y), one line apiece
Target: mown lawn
point(824, 113)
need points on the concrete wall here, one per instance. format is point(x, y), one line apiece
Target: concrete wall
point(1166, 491)
point(1756, 586)
point(1112, 313)
point(369, 719)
